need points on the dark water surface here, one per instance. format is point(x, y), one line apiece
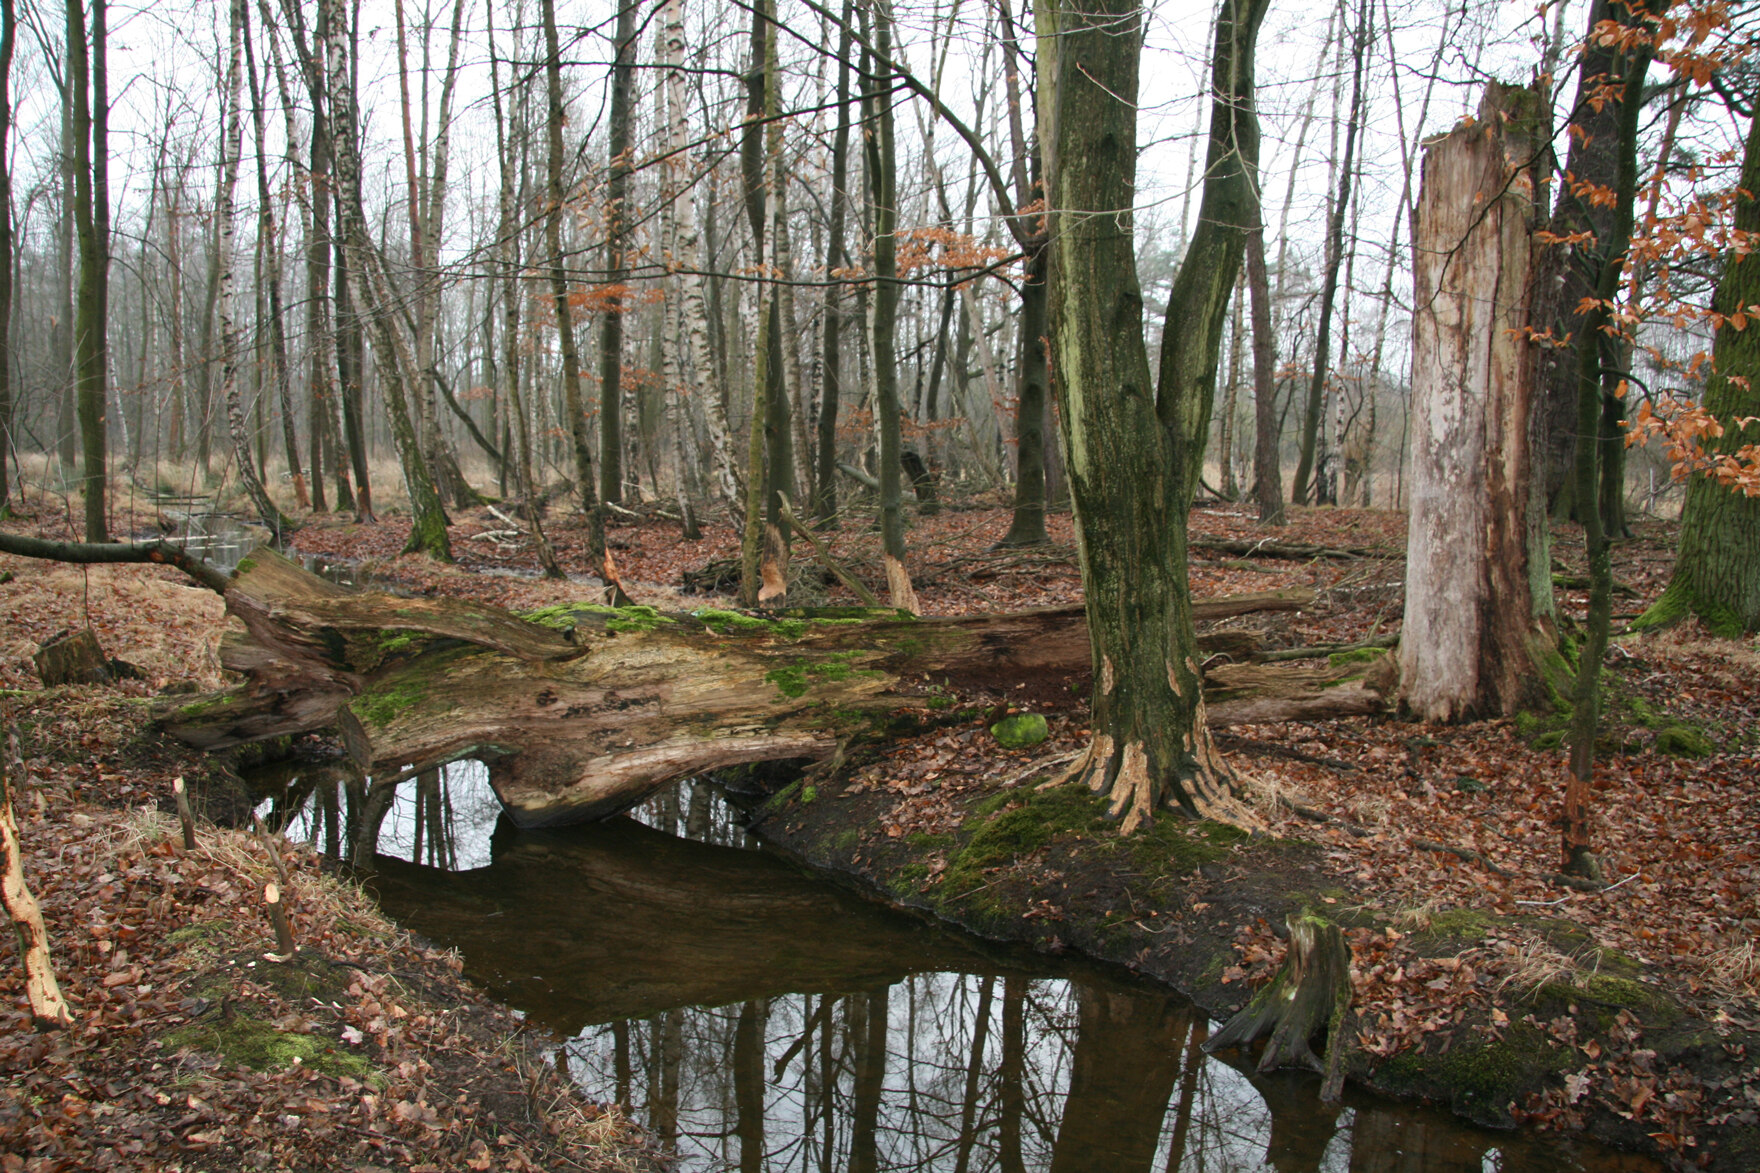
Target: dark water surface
point(752, 1016)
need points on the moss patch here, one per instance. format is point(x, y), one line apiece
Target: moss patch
point(383, 704)
point(1018, 830)
point(1480, 1077)
point(1683, 741)
point(793, 680)
point(261, 1047)
point(1021, 731)
point(565, 616)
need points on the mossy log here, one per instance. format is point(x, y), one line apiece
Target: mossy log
point(581, 711)
point(1311, 991)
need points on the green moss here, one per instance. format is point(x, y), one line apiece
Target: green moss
point(995, 802)
point(1600, 996)
point(1481, 1077)
point(245, 566)
point(845, 840)
point(809, 794)
point(565, 616)
point(383, 704)
point(1683, 741)
point(1356, 656)
point(396, 643)
point(1550, 740)
point(938, 702)
point(781, 797)
point(1018, 830)
point(261, 1047)
point(924, 841)
point(793, 680)
point(1465, 924)
point(1021, 731)
point(1171, 846)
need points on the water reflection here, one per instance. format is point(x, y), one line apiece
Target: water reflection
point(754, 1017)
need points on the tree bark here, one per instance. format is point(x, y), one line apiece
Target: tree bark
point(1135, 454)
point(831, 367)
point(586, 710)
point(8, 42)
point(1267, 477)
point(1717, 567)
point(571, 362)
point(91, 215)
point(1474, 645)
point(1303, 490)
point(616, 267)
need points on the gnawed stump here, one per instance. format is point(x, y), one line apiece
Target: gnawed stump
point(72, 657)
point(1311, 991)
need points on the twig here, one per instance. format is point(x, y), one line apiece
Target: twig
point(819, 551)
point(284, 946)
point(1464, 853)
point(274, 855)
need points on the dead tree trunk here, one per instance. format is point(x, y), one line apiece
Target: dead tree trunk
point(1473, 644)
point(1311, 991)
point(581, 711)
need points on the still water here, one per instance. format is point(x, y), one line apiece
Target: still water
point(755, 1017)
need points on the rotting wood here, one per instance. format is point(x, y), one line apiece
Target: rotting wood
point(1312, 990)
point(587, 710)
point(49, 1010)
point(71, 657)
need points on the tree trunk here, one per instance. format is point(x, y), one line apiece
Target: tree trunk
point(586, 710)
point(616, 266)
point(1267, 478)
point(882, 175)
point(1473, 643)
point(1303, 491)
point(370, 293)
point(231, 343)
point(91, 215)
point(1135, 456)
point(1626, 73)
point(511, 164)
point(8, 41)
point(571, 362)
point(831, 366)
point(1715, 575)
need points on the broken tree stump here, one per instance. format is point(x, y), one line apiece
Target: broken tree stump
point(1312, 991)
point(71, 657)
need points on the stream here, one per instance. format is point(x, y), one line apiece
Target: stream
point(754, 1016)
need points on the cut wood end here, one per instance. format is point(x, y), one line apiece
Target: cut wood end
point(177, 785)
point(272, 893)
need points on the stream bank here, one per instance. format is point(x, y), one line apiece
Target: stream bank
point(1200, 906)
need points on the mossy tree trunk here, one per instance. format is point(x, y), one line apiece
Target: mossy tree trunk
point(1311, 992)
point(1135, 451)
point(1717, 568)
point(584, 710)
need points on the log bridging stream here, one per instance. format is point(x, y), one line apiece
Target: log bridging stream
point(581, 711)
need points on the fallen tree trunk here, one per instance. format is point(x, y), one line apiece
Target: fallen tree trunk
point(581, 711)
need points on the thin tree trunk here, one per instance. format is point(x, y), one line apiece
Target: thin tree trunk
point(831, 368)
point(8, 42)
point(1303, 491)
point(85, 76)
point(1267, 429)
point(509, 236)
point(611, 478)
point(571, 363)
point(271, 239)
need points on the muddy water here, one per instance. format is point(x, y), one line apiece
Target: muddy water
point(753, 1016)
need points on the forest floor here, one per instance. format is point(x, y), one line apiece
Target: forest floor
point(1632, 1011)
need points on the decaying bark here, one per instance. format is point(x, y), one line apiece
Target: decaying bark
point(1474, 643)
point(585, 710)
point(1311, 991)
point(48, 1008)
